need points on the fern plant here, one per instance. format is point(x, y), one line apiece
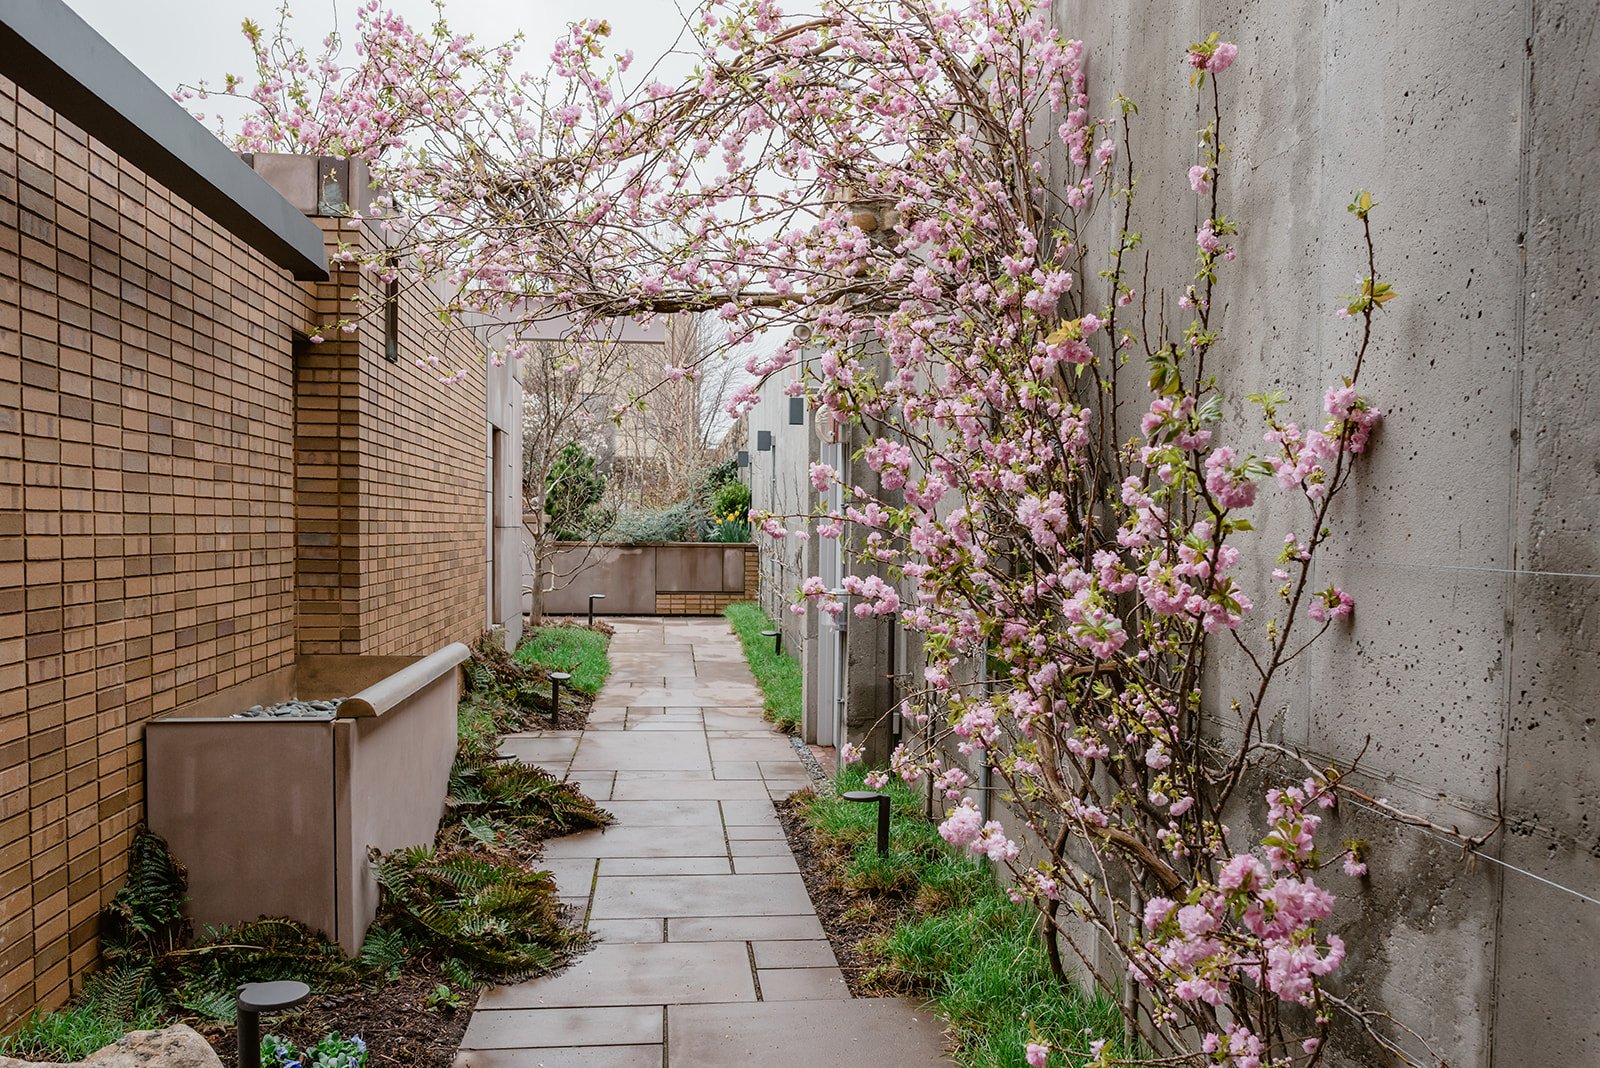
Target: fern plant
point(487, 918)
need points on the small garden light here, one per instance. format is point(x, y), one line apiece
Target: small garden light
point(556, 679)
point(593, 597)
point(865, 796)
point(777, 639)
point(255, 999)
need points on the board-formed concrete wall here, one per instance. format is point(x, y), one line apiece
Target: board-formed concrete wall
point(1470, 539)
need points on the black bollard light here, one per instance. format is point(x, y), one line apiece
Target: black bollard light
point(593, 597)
point(556, 679)
point(255, 999)
point(777, 640)
point(865, 796)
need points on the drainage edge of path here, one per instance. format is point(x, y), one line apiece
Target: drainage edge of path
point(821, 781)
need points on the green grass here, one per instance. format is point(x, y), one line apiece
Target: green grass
point(968, 948)
point(577, 650)
point(778, 674)
point(74, 1032)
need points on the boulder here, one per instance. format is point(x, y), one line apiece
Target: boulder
point(168, 1047)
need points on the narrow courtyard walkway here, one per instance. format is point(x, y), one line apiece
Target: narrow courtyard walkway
point(708, 951)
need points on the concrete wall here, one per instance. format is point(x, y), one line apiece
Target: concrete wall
point(1470, 537)
point(654, 579)
point(780, 483)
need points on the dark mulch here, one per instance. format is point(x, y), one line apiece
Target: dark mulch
point(394, 1020)
point(855, 920)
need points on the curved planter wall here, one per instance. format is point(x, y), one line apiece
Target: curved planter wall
point(275, 817)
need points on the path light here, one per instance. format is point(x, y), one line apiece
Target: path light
point(864, 796)
point(255, 999)
point(556, 679)
point(777, 640)
point(593, 597)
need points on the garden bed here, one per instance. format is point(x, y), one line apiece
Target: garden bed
point(473, 909)
point(778, 674)
point(928, 923)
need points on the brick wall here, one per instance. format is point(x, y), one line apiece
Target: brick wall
point(186, 495)
point(146, 401)
point(391, 481)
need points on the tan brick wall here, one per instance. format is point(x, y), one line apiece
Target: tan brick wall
point(390, 485)
point(145, 458)
point(149, 550)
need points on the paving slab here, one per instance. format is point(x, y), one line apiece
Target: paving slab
point(816, 1034)
point(629, 788)
point(636, 973)
point(630, 751)
point(596, 784)
point(744, 928)
point(645, 929)
point(700, 895)
point(565, 1057)
point(812, 953)
point(803, 984)
point(748, 813)
point(499, 1029)
point(690, 813)
point(665, 866)
point(764, 865)
point(625, 841)
point(552, 753)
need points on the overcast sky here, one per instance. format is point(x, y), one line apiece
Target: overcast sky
point(184, 41)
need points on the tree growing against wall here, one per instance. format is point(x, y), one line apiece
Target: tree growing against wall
point(1064, 494)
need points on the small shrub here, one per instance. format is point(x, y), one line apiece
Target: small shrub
point(333, 1050)
point(731, 497)
point(573, 488)
point(680, 522)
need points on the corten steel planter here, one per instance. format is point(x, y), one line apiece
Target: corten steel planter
point(275, 817)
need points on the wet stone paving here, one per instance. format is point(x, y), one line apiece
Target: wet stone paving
point(708, 952)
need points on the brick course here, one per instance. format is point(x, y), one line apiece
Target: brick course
point(187, 498)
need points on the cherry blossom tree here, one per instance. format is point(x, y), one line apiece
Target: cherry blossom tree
point(1062, 496)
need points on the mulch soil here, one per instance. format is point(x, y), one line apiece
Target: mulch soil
point(394, 1020)
point(854, 920)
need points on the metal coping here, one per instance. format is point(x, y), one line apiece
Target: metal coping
point(47, 49)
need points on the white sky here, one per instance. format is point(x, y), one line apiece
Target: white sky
point(184, 41)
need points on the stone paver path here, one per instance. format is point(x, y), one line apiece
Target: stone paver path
point(709, 953)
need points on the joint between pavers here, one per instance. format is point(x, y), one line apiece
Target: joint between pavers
point(755, 973)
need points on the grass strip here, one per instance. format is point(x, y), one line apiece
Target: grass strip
point(778, 674)
point(963, 943)
point(576, 650)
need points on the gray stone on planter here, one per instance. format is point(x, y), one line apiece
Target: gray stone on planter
point(170, 1047)
point(292, 710)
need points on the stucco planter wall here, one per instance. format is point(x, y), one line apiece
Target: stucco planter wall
point(655, 578)
point(275, 817)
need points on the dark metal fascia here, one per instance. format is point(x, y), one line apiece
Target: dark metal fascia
point(47, 49)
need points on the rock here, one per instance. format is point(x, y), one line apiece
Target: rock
point(170, 1047)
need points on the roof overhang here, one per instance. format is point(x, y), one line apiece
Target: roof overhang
point(47, 49)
